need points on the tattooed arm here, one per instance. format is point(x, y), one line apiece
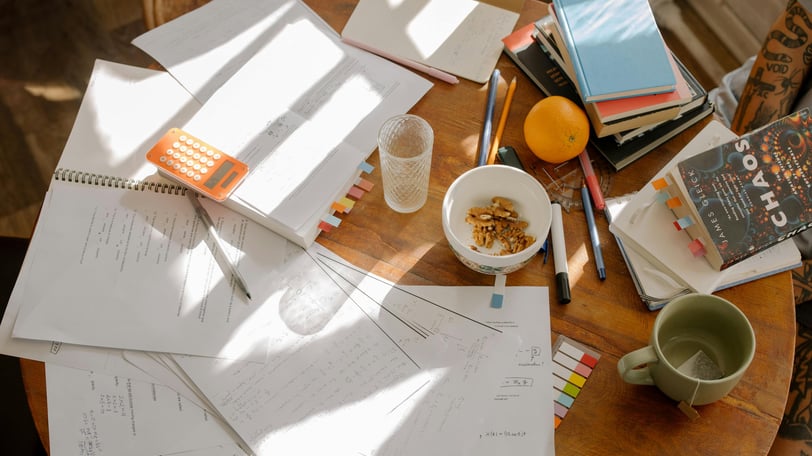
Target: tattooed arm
point(779, 70)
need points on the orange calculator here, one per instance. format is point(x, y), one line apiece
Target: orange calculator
point(197, 164)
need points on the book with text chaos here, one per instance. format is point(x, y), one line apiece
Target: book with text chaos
point(645, 226)
point(615, 47)
point(745, 195)
point(545, 73)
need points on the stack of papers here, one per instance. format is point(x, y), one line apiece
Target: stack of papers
point(150, 349)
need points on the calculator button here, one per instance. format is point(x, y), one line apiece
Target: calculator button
point(196, 145)
point(163, 159)
point(175, 166)
point(203, 148)
point(190, 141)
point(196, 166)
point(182, 138)
point(208, 153)
point(216, 156)
point(176, 155)
point(176, 144)
point(210, 163)
point(190, 173)
point(182, 159)
point(197, 177)
point(183, 170)
point(204, 170)
point(196, 156)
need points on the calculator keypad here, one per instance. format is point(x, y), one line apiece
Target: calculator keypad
point(197, 164)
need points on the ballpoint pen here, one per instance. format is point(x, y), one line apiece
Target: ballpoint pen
point(487, 125)
point(562, 280)
point(593, 233)
point(219, 251)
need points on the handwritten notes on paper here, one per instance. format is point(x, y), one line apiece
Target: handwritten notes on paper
point(129, 269)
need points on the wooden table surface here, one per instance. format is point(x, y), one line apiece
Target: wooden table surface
point(609, 416)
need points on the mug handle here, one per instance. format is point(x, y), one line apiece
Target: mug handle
point(626, 366)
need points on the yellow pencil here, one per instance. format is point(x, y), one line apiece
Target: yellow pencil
point(502, 120)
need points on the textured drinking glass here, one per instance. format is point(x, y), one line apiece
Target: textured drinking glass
point(404, 145)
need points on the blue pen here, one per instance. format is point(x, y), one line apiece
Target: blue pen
point(593, 232)
point(485, 140)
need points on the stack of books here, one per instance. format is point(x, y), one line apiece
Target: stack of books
point(658, 248)
point(636, 92)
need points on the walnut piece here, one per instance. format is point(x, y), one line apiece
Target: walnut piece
point(498, 222)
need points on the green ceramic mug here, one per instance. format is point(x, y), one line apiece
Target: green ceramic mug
point(700, 347)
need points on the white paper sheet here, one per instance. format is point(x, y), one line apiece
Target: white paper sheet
point(90, 413)
point(462, 37)
point(130, 269)
point(155, 102)
point(518, 418)
point(206, 46)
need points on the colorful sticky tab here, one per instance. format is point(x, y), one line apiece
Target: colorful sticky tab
point(662, 197)
point(673, 202)
point(356, 192)
point(366, 167)
point(696, 248)
point(332, 220)
point(364, 184)
point(659, 184)
point(346, 202)
point(684, 222)
point(338, 207)
point(324, 226)
point(573, 363)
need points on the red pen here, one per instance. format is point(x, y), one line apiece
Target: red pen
point(591, 180)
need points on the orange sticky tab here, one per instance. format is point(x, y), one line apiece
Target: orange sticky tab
point(659, 184)
point(696, 248)
point(673, 202)
point(338, 207)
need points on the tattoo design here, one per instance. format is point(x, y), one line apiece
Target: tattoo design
point(778, 72)
point(796, 425)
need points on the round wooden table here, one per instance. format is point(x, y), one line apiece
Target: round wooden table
point(609, 416)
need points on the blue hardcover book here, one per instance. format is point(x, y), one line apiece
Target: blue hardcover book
point(616, 48)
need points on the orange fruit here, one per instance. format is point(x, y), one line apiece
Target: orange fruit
point(556, 129)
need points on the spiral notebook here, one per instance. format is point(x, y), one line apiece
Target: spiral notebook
point(123, 263)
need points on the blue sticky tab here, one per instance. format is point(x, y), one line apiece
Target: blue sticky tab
point(332, 220)
point(496, 301)
point(662, 197)
point(685, 222)
point(366, 167)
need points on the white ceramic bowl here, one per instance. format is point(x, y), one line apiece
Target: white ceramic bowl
point(475, 188)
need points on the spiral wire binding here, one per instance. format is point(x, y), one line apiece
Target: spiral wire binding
point(101, 180)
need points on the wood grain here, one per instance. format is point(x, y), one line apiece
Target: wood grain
point(609, 416)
